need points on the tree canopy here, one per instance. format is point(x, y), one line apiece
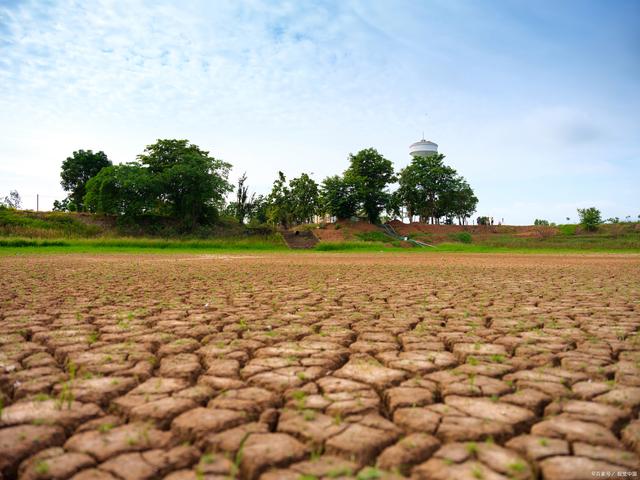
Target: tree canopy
point(177, 179)
point(77, 170)
point(192, 184)
point(370, 174)
point(431, 190)
point(172, 177)
point(293, 203)
point(339, 197)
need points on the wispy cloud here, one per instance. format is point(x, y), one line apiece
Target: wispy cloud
point(510, 93)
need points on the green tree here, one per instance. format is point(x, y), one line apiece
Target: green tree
point(242, 205)
point(258, 213)
point(304, 198)
point(590, 218)
point(432, 190)
point(459, 201)
point(77, 170)
point(370, 174)
point(338, 197)
point(192, 184)
point(128, 190)
point(279, 211)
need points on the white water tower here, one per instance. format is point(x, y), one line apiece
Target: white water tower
point(423, 148)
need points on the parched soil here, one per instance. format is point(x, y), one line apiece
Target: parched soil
point(309, 366)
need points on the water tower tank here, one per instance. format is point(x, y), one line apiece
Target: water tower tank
point(423, 148)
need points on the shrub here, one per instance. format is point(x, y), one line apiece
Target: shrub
point(590, 218)
point(541, 222)
point(464, 237)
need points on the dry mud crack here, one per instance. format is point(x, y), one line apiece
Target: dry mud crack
point(319, 366)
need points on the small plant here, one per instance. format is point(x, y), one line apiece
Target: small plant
point(477, 473)
point(337, 419)
point(93, 337)
point(300, 399)
point(517, 467)
point(239, 455)
point(105, 427)
point(472, 448)
point(497, 358)
point(42, 467)
point(369, 473)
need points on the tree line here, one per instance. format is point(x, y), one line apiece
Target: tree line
point(178, 179)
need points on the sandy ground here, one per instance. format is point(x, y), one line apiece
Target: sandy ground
point(313, 366)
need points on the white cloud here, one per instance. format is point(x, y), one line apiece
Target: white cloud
point(296, 86)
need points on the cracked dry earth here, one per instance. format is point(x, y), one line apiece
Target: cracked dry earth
point(319, 366)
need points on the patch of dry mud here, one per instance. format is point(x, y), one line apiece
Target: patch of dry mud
point(319, 366)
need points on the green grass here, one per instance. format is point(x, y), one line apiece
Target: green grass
point(359, 246)
point(374, 237)
point(540, 249)
point(573, 242)
point(274, 243)
point(47, 225)
point(139, 245)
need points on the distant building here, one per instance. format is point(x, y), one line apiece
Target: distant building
point(423, 148)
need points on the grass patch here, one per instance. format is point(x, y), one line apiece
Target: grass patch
point(355, 247)
point(462, 237)
point(125, 244)
point(44, 224)
point(373, 237)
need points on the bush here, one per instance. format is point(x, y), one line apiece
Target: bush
point(541, 222)
point(464, 237)
point(590, 218)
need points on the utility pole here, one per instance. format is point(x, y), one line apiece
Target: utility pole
point(37, 202)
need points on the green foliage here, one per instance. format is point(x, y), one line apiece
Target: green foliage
point(279, 209)
point(241, 208)
point(590, 218)
point(370, 473)
point(40, 224)
point(272, 242)
point(77, 170)
point(541, 222)
point(373, 237)
point(305, 198)
point(294, 203)
point(192, 184)
point(433, 190)
point(567, 229)
point(173, 178)
point(464, 237)
point(339, 197)
point(370, 174)
point(128, 190)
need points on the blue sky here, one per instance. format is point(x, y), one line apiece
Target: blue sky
point(535, 103)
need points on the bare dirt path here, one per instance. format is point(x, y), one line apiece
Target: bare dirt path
point(317, 366)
